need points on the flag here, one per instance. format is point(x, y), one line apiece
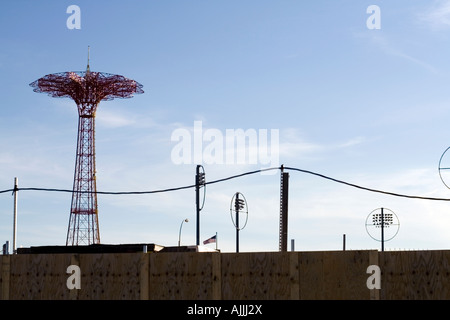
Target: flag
point(210, 240)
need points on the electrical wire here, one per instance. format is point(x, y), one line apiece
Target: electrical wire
point(230, 178)
point(365, 188)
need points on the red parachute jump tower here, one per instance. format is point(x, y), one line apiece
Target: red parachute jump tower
point(87, 89)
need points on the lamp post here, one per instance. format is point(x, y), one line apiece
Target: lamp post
point(181, 226)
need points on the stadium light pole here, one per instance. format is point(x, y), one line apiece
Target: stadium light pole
point(199, 183)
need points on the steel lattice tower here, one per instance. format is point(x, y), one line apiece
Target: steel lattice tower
point(87, 89)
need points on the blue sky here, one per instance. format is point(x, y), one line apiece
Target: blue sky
point(370, 107)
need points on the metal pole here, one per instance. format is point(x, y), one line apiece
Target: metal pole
point(284, 189)
point(15, 215)
point(197, 202)
point(236, 208)
point(382, 230)
point(6, 247)
point(343, 242)
point(179, 234)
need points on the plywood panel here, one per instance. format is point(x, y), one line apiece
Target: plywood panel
point(271, 279)
point(5, 262)
point(235, 279)
point(415, 275)
point(432, 266)
point(355, 274)
point(260, 275)
point(374, 259)
point(39, 276)
point(311, 277)
point(294, 275)
point(110, 276)
point(144, 276)
point(334, 275)
point(255, 275)
point(183, 275)
point(395, 275)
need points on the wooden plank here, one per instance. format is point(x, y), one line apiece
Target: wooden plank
point(216, 276)
point(110, 276)
point(374, 259)
point(415, 275)
point(259, 282)
point(294, 275)
point(26, 277)
point(444, 276)
point(39, 276)
point(144, 276)
point(395, 275)
point(420, 263)
point(73, 293)
point(424, 278)
point(356, 264)
point(311, 277)
point(259, 275)
point(334, 275)
point(253, 275)
point(334, 278)
point(271, 276)
point(235, 276)
point(182, 275)
point(5, 266)
point(233, 284)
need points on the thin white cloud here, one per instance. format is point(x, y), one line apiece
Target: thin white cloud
point(383, 43)
point(113, 119)
point(437, 16)
point(351, 142)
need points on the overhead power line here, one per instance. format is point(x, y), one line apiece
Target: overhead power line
point(365, 188)
point(234, 177)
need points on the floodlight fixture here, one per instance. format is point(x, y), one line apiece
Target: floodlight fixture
point(385, 220)
point(200, 182)
point(238, 206)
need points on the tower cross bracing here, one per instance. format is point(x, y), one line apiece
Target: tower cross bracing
point(87, 89)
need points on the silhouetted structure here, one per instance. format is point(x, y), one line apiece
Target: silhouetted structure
point(284, 191)
point(87, 89)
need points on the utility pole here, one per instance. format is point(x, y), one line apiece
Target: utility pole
point(199, 182)
point(240, 206)
point(236, 209)
point(16, 190)
point(284, 190)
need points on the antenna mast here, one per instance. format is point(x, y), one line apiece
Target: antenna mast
point(88, 69)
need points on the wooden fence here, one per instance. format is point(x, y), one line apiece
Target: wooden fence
point(227, 276)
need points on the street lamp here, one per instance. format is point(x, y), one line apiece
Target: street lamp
point(181, 226)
